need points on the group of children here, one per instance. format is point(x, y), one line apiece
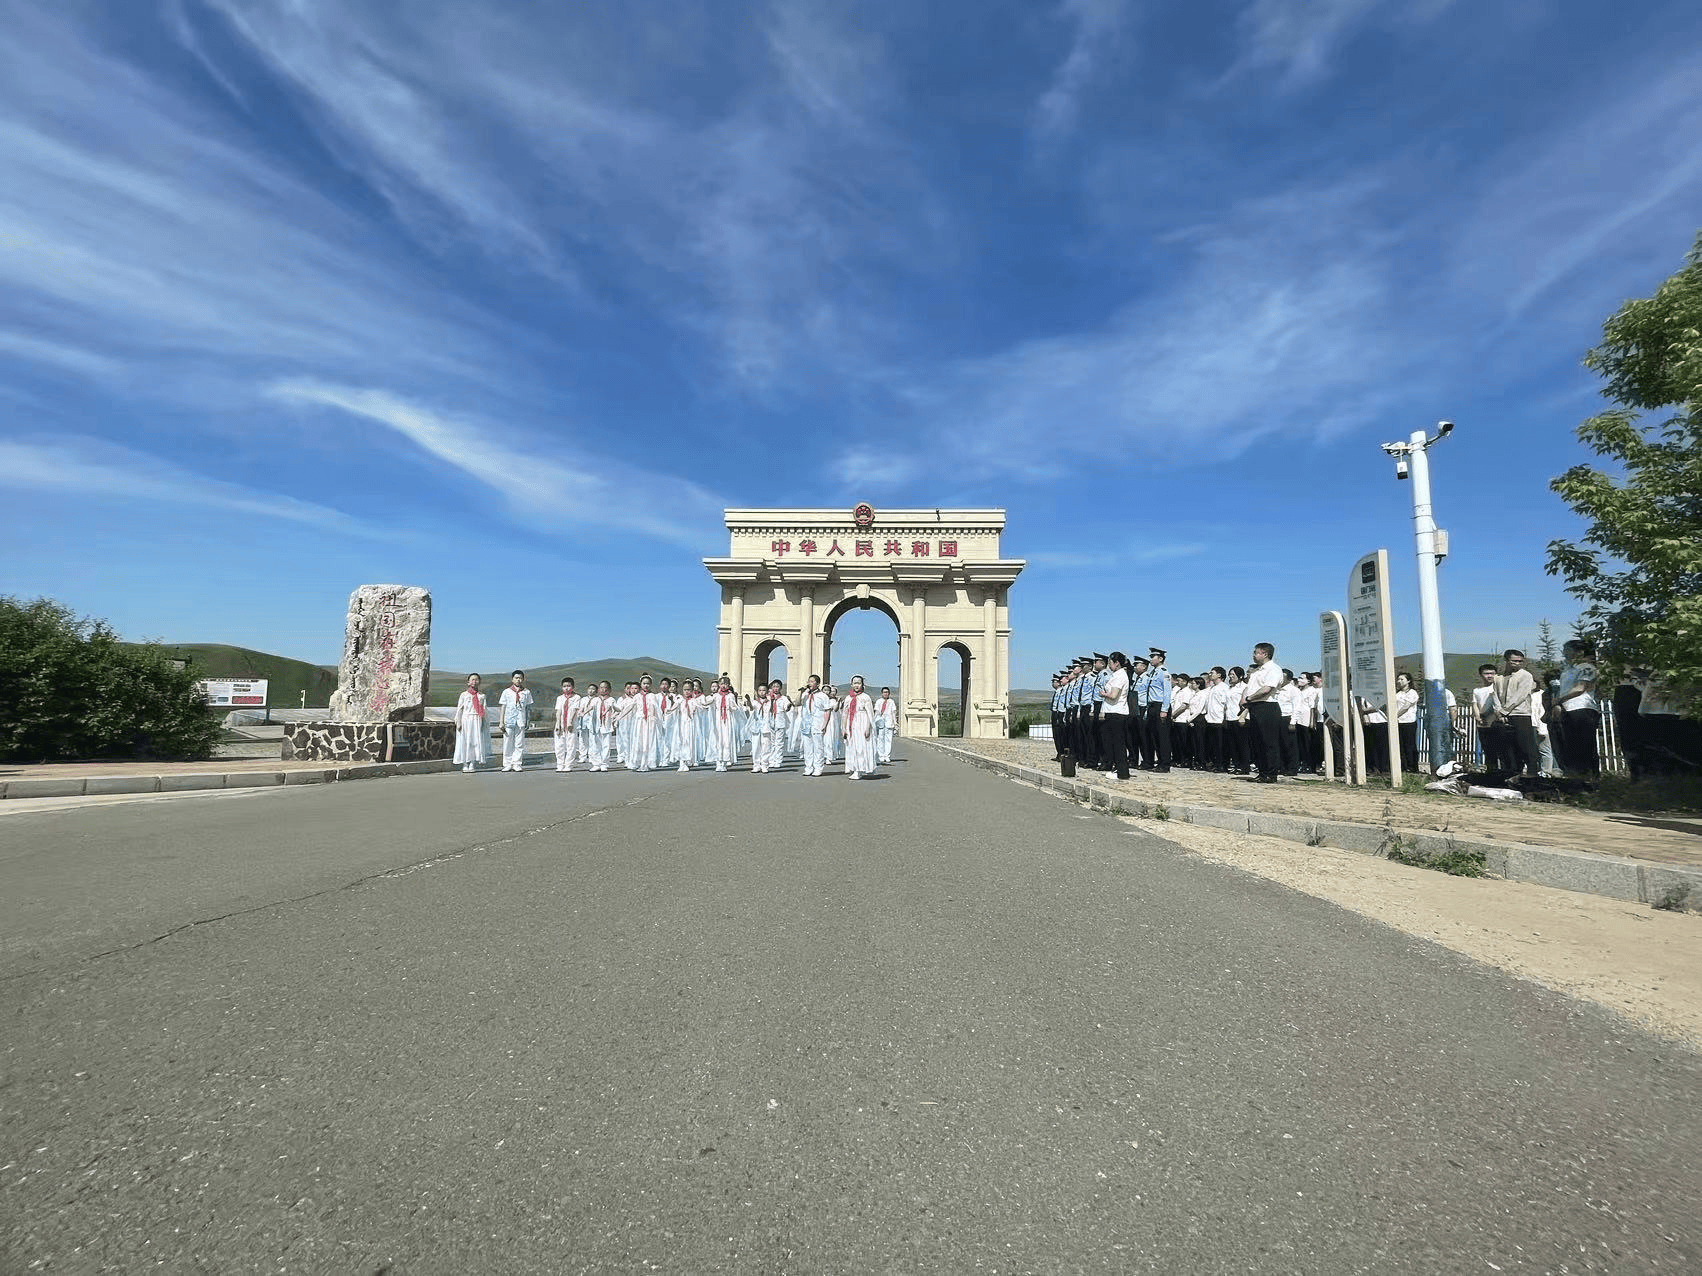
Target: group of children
point(685, 724)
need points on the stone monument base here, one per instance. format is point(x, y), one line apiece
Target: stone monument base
point(369, 741)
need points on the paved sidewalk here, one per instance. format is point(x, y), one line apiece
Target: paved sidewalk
point(1531, 823)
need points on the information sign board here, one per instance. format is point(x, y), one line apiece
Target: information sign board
point(236, 694)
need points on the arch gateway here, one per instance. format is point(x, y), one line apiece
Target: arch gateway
point(936, 573)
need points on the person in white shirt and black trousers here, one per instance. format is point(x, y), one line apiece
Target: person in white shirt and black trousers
point(1114, 716)
point(1264, 713)
point(1406, 721)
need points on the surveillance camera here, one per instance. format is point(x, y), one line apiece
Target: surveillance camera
point(1446, 428)
point(1401, 468)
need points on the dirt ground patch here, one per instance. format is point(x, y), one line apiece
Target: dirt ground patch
point(1638, 962)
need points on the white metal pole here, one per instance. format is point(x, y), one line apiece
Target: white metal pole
point(1429, 605)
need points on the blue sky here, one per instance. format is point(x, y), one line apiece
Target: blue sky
point(510, 300)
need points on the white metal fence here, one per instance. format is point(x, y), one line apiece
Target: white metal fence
point(1466, 747)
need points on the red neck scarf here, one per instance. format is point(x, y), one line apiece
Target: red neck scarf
point(851, 709)
point(478, 703)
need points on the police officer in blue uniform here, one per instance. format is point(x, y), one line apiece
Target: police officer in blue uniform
point(1158, 711)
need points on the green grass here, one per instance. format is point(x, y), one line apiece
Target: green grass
point(286, 678)
point(1656, 795)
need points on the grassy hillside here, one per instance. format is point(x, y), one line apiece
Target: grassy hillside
point(446, 685)
point(1459, 671)
point(287, 678)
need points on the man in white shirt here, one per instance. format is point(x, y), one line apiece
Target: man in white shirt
point(1217, 705)
point(813, 712)
point(1264, 713)
point(567, 714)
point(517, 704)
point(886, 725)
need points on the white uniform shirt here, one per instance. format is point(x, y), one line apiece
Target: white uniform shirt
point(1406, 706)
point(1217, 703)
point(1115, 695)
point(1268, 674)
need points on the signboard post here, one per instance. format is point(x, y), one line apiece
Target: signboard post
point(1371, 630)
point(1332, 647)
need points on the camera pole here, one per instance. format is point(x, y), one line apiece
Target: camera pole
point(1432, 547)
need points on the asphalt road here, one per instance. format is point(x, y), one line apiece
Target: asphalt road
point(746, 1023)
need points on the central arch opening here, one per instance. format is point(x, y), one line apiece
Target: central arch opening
point(860, 636)
point(954, 688)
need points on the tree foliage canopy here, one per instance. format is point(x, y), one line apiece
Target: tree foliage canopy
point(70, 689)
point(1639, 565)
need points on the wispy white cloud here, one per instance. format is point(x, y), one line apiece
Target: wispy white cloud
point(601, 492)
point(1279, 321)
point(745, 221)
point(61, 355)
point(1608, 191)
point(1297, 38)
point(1096, 25)
point(133, 225)
point(91, 469)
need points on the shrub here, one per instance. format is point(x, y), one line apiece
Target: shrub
point(70, 689)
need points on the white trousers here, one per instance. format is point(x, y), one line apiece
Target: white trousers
point(814, 747)
point(564, 751)
point(598, 753)
point(513, 749)
point(883, 742)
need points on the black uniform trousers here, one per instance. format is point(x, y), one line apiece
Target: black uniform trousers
point(1158, 736)
point(1265, 723)
point(1114, 740)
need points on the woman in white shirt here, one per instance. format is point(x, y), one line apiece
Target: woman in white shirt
point(1406, 721)
point(1114, 715)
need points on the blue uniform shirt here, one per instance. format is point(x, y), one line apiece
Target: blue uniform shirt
point(1158, 688)
point(1099, 685)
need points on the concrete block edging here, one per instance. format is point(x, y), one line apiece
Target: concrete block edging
point(1611, 876)
point(106, 785)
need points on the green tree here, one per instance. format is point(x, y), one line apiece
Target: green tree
point(1639, 564)
point(1546, 650)
point(70, 689)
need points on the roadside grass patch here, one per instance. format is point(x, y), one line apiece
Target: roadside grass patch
point(1456, 863)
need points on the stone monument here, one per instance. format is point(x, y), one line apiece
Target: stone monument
point(386, 668)
point(378, 712)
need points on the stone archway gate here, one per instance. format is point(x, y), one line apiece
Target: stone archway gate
point(936, 571)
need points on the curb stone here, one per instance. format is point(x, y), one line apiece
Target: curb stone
point(107, 785)
point(1611, 876)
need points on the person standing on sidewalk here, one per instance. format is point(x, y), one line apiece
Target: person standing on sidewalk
point(1263, 712)
point(1578, 703)
point(1158, 709)
point(517, 702)
point(1114, 715)
point(1516, 693)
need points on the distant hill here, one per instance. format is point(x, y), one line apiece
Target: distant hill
point(1458, 670)
point(287, 678)
point(446, 686)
